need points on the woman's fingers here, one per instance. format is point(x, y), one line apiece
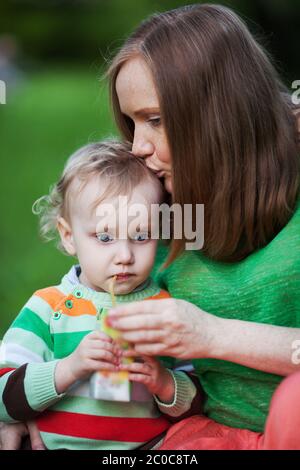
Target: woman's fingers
point(155, 349)
point(137, 322)
point(170, 327)
point(35, 437)
point(146, 314)
point(145, 336)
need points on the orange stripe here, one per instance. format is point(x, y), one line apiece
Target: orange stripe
point(51, 295)
point(163, 294)
point(79, 307)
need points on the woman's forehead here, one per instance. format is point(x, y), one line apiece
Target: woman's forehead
point(135, 86)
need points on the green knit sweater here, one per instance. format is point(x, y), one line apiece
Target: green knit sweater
point(263, 288)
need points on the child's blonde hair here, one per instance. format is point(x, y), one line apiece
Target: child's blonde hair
point(110, 160)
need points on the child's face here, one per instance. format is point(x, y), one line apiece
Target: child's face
point(94, 238)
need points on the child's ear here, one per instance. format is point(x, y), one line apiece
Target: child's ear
point(66, 236)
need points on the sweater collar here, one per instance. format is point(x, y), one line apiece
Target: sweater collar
point(70, 284)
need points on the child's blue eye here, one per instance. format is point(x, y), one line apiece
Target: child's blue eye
point(141, 236)
point(104, 237)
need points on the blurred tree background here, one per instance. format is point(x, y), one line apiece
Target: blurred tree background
point(52, 57)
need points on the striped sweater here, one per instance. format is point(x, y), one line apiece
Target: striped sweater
point(49, 327)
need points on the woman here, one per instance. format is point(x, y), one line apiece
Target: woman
point(200, 100)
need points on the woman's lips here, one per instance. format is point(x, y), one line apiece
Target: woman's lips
point(160, 173)
point(155, 170)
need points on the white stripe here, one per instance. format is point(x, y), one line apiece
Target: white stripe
point(15, 353)
point(29, 340)
point(2, 351)
point(80, 389)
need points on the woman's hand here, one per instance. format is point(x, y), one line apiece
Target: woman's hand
point(167, 327)
point(150, 372)
point(11, 436)
point(173, 327)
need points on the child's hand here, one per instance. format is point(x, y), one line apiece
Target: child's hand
point(95, 352)
point(154, 375)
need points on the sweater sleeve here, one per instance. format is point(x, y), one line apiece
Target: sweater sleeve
point(188, 397)
point(27, 364)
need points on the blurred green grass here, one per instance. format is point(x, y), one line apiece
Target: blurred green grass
point(44, 121)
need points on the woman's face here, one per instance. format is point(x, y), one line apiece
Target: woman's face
point(139, 101)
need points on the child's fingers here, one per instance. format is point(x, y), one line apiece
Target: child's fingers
point(102, 365)
point(96, 335)
point(103, 355)
point(130, 353)
point(137, 367)
point(141, 378)
point(100, 345)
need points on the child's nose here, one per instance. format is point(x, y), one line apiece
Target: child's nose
point(124, 254)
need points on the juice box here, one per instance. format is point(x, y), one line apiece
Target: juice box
point(107, 385)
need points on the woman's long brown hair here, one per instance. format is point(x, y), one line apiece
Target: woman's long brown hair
point(229, 122)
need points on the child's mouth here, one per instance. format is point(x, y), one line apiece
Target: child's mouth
point(123, 277)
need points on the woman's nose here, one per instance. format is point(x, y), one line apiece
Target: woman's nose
point(141, 147)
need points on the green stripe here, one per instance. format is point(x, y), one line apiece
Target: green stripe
point(66, 343)
point(29, 340)
point(89, 406)
point(40, 307)
point(67, 324)
point(57, 441)
point(4, 416)
point(30, 321)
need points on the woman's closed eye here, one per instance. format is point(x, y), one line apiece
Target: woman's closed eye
point(154, 121)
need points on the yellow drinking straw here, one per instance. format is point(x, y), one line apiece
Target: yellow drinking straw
point(112, 332)
point(111, 291)
point(106, 385)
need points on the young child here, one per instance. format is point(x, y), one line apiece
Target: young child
point(54, 346)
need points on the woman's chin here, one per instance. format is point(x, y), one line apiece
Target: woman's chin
point(168, 184)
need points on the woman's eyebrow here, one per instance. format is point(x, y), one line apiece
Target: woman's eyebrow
point(146, 111)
